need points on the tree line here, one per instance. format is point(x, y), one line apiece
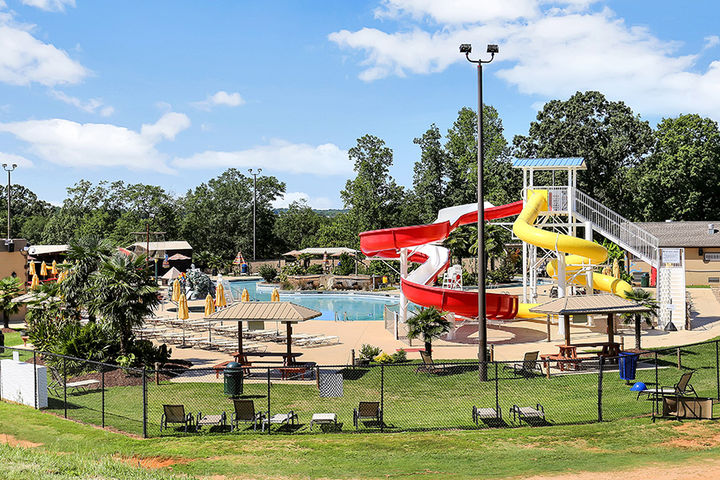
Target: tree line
point(670, 172)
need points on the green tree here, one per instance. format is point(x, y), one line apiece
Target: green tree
point(428, 324)
point(679, 181)
point(373, 197)
point(430, 176)
point(85, 255)
point(27, 213)
point(502, 183)
point(10, 287)
point(124, 294)
point(341, 231)
point(608, 135)
point(296, 227)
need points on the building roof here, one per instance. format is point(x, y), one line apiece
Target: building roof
point(684, 234)
point(171, 274)
point(261, 311)
point(155, 246)
point(564, 163)
point(47, 249)
point(330, 251)
point(589, 304)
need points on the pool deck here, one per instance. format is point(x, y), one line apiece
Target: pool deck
point(510, 339)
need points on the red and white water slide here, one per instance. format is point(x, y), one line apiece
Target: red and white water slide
point(423, 244)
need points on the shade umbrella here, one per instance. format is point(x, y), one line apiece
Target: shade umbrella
point(176, 291)
point(275, 296)
point(31, 270)
point(616, 268)
point(220, 296)
point(245, 297)
point(53, 268)
point(35, 283)
point(209, 310)
point(61, 276)
point(183, 313)
point(43, 269)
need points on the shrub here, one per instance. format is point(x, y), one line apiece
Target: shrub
point(315, 269)
point(368, 352)
point(399, 356)
point(346, 265)
point(383, 358)
point(268, 273)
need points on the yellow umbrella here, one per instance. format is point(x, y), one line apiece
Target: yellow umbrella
point(607, 271)
point(53, 268)
point(183, 313)
point(616, 268)
point(275, 296)
point(60, 277)
point(176, 291)
point(31, 270)
point(35, 283)
point(209, 305)
point(43, 269)
point(220, 296)
point(245, 297)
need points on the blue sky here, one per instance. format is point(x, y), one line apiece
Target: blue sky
point(174, 92)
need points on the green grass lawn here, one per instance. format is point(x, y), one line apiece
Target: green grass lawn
point(72, 450)
point(412, 401)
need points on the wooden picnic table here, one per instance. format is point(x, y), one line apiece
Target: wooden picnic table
point(569, 351)
point(609, 349)
point(288, 358)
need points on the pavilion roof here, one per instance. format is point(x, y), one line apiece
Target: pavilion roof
point(266, 311)
point(589, 304)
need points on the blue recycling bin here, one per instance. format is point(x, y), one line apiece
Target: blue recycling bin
point(244, 268)
point(628, 365)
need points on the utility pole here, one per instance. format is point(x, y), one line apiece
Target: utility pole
point(8, 169)
point(466, 48)
point(254, 174)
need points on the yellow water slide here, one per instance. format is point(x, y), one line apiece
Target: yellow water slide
point(580, 251)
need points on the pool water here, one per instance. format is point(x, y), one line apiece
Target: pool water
point(334, 306)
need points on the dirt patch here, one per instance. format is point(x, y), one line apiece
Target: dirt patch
point(154, 462)
point(699, 470)
point(694, 436)
point(9, 330)
point(6, 439)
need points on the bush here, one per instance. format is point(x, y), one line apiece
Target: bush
point(268, 273)
point(383, 358)
point(369, 352)
point(346, 265)
point(399, 356)
point(315, 269)
point(292, 269)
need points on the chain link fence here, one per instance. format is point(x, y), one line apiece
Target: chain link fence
point(409, 396)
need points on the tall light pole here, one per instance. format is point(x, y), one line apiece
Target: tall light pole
point(8, 169)
point(466, 48)
point(254, 174)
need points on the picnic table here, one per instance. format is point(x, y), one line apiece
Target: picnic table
point(288, 358)
point(609, 349)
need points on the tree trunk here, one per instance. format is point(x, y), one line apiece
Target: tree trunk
point(428, 348)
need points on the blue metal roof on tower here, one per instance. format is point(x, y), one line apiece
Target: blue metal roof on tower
point(550, 163)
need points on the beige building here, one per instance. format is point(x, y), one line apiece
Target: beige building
point(700, 242)
point(14, 264)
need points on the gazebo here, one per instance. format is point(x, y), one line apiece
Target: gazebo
point(285, 312)
point(593, 305)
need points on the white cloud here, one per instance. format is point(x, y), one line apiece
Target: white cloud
point(221, 98)
point(564, 47)
point(99, 145)
point(24, 59)
point(10, 158)
point(320, 203)
point(50, 5)
point(279, 156)
point(94, 105)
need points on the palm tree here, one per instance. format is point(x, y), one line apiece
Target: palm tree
point(10, 288)
point(646, 299)
point(427, 323)
point(86, 254)
point(124, 293)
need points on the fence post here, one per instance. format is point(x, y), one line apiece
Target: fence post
point(600, 389)
point(65, 384)
point(497, 390)
point(717, 368)
point(268, 401)
point(657, 385)
point(144, 393)
point(382, 398)
point(35, 387)
point(102, 393)
point(679, 358)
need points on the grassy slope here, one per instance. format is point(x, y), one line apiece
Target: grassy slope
point(460, 454)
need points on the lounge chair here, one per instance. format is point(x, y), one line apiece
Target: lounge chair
point(488, 413)
point(531, 415)
point(245, 413)
point(280, 418)
point(211, 420)
point(175, 414)
point(529, 365)
point(682, 387)
point(429, 366)
point(319, 341)
point(367, 411)
point(58, 385)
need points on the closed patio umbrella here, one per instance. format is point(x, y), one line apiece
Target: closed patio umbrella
point(53, 268)
point(183, 313)
point(43, 269)
point(220, 296)
point(275, 296)
point(31, 270)
point(209, 310)
point(245, 297)
point(176, 291)
point(616, 268)
point(35, 283)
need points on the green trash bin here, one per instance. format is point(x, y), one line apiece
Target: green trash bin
point(645, 280)
point(233, 379)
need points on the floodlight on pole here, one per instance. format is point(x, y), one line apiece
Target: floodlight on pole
point(254, 174)
point(8, 169)
point(492, 49)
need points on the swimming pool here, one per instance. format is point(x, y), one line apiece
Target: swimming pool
point(334, 306)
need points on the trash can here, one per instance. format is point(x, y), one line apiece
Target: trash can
point(627, 365)
point(233, 378)
point(645, 280)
